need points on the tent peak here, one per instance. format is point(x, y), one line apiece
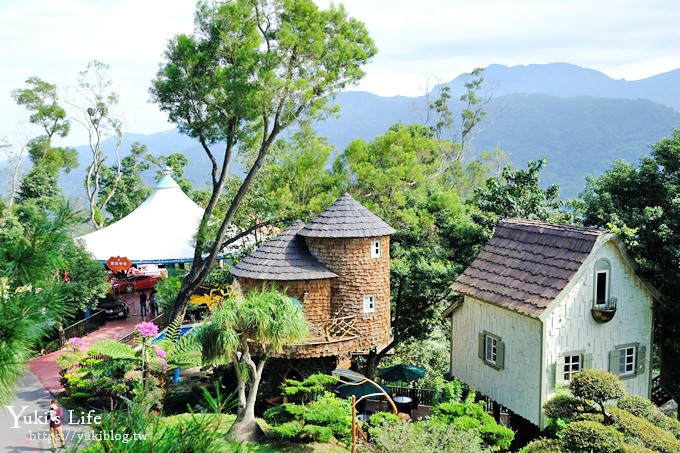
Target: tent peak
point(167, 182)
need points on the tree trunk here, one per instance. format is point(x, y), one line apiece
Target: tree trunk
point(245, 428)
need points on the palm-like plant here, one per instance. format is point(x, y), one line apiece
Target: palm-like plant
point(258, 325)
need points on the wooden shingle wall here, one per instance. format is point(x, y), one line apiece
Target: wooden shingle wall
point(359, 276)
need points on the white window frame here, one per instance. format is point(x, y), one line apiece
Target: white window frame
point(627, 361)
point(573, 364)
point(369, 304)
point(490, 349)
point(376, 249)
point(606, 286)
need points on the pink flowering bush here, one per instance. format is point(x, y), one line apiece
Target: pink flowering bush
point(160, 352)
point(147, 329)
point(76, 344)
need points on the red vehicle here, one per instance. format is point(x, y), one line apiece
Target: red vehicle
point(135, 283)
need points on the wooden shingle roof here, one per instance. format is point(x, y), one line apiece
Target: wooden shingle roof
point(526, 264)
point(284, 257)
point(346, 218)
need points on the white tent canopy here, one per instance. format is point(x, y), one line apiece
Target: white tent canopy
point(160, 230)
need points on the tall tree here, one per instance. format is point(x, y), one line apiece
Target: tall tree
point(40, 184)
point(518, 193)
point(237, 332)
point(399, 177)
point(96, 105)
point(251, 69)
point(641, 202)
point(122, 183)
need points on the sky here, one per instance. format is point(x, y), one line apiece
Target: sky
point(420, 43)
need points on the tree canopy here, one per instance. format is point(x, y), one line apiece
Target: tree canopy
point(249, 71)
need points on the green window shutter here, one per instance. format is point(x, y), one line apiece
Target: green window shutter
point(614, 361)
point(640, 359)
point(587, 362)
point(482, 345)
point(500, 355)
point(559, 372)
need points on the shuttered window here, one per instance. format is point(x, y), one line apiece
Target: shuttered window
point(491, 350)
point(569, 365)
point(628, 360)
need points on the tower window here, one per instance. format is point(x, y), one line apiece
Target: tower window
point(369, 304)
point(375, 249)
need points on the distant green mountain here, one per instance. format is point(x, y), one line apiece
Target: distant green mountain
point(578, 118)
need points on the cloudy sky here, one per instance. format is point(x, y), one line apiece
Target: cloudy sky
point(417, 41)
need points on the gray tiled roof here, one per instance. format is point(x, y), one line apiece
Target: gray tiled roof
point(346, 218)
point(284, 257)
point(526, 264)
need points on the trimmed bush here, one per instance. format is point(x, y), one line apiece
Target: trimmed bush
point(429, 435)
point(497, 435)
point(465, 423)
point(317, 433)
point(598, 386)
point(640, 429)
point(564, 406)
point(628, 448)
point(543, 446)
point(288, 430)
point(328, 412)
point(591, 437)
point(643, 408)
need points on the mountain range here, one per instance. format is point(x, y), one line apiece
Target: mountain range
point(579, 119)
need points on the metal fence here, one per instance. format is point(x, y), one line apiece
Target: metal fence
point(424, 396)
point(83, 327)
point(161, 321)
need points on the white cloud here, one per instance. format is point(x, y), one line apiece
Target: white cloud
point(438, 38)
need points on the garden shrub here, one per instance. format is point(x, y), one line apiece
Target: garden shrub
point(328, 412)
point(564, 407)
point(447, 391)
point(461, 416)
point(317, 433)
point(543, 446)
point(629, 448)
point(465, 423)
point(598, 386)
point(636, 428)
point(384, 418)
point(591, 437)
point(288, 430)
point(644, 408)
point(429, 435)
point(496, 435)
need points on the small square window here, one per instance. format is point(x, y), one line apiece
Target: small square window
point(572, 365)
point(369, 304)
point(375, 249)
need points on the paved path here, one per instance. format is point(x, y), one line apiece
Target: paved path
point(45, 367)
point(25, 433)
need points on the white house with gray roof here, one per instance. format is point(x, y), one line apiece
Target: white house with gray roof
point(543, 301)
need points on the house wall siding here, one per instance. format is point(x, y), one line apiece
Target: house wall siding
point(517, 385)
point(570, 326)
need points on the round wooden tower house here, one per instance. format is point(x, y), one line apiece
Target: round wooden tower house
point(352, 242)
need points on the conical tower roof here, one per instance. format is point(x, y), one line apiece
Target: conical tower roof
point(346, 218)
point(284, 257)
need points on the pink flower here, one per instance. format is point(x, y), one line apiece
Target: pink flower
point(147, 329)
point(164, 364)
point(76, 343)
point(160, 352)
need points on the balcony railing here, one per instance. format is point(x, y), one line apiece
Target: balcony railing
point(604, 312)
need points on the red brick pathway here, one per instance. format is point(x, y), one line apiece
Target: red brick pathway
point(46, 368)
